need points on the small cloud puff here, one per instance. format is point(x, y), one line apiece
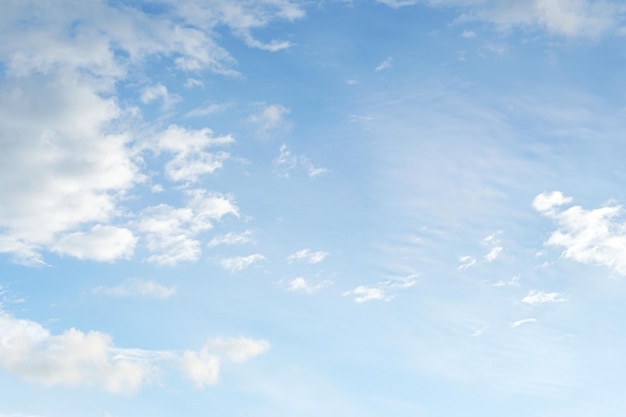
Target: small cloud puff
point(384, 65)
point(287, 162)
point(381, 290)
point(302, 285)
point(239, 263)
point(540, 297)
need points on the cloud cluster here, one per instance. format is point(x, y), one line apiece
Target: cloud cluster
point(73, 358)
point(587, 236)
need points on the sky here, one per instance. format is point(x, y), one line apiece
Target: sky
point(318, 208)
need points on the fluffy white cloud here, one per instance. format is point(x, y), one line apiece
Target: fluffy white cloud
point(308, 256)
point(231, 238)
point(73, 357)
point(138, 287)
point(101, 243)
point(239, 263)
point(493, 254)
point(587, 236)
point(302, 285)
point(287, 162)
point(540, 297)
point(170, 233)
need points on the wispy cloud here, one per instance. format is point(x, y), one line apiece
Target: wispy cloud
point(522, 322)
point(302, 285)
point(383, 290)
point(231, 238)
point(308, 256)
point(239, 263)
point(288, 162)
point(386, 64)
point(270, 120)
point(137, 287)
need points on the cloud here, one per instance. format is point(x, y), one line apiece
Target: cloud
point(381, 290)
point(158, 92)
point(171, 233)
point(569, 18)
point(138, 287)
point(203, 366)
point(384, 65)
point(270, 120)
point(468, 34)
point(308, 256)
point(540, 297)
point(302, 285)
point(288, 162)
point(231, 239)
point(73, 358)
point(206, 110)
point(466, 262)
point(522, 322)
point(189, 147)
point(513, 282)
point(239, 263)
point(587, 236)
point(101, 243)
point(493, 254)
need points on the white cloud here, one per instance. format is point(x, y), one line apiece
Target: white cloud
point(468, 34)
point(239, 263)
point(384, 65)
point(231, 238)
point(522, 322)
point(570, 18)
point(466, 262)
point(540, 297)
point(302, 285)
point(381, 290)
point(171, 233)
point(270, 120)
point(191, 159)
point(101, 243)
point(74, 358)
point(287, 162)
point(158, 92)
point(513, 282)
point(493, 254)
point(587, 236)
point(138, 287)
point(206, 110)
point(308, 256)
point(203, 366)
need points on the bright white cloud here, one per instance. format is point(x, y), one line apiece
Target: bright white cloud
point(587, 236)
point(466, 262)
point(540, 297)
point(384, 65)
point(171, 233)
point(302, 285)
point(138, 287)
point(288, 162)
point(493, 254)
point(101, 243)
point(231, 238)
point(154, 92)
point(513, 282)
point(239, 263)
point(308, 256)
point(522, 322)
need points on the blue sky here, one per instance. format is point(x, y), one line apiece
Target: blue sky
point(312, 208)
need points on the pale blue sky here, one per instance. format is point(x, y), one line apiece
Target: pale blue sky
point(284, 208)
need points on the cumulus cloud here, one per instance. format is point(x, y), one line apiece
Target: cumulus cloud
point(288, 162)
point(137, 287)
point(588, 236)
point(239, 263)
point(308, 256)
point(171, 233)
point(73, 358)
point(540, 297)
point(381, 291)
point(101, 243)
point(302, 285)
